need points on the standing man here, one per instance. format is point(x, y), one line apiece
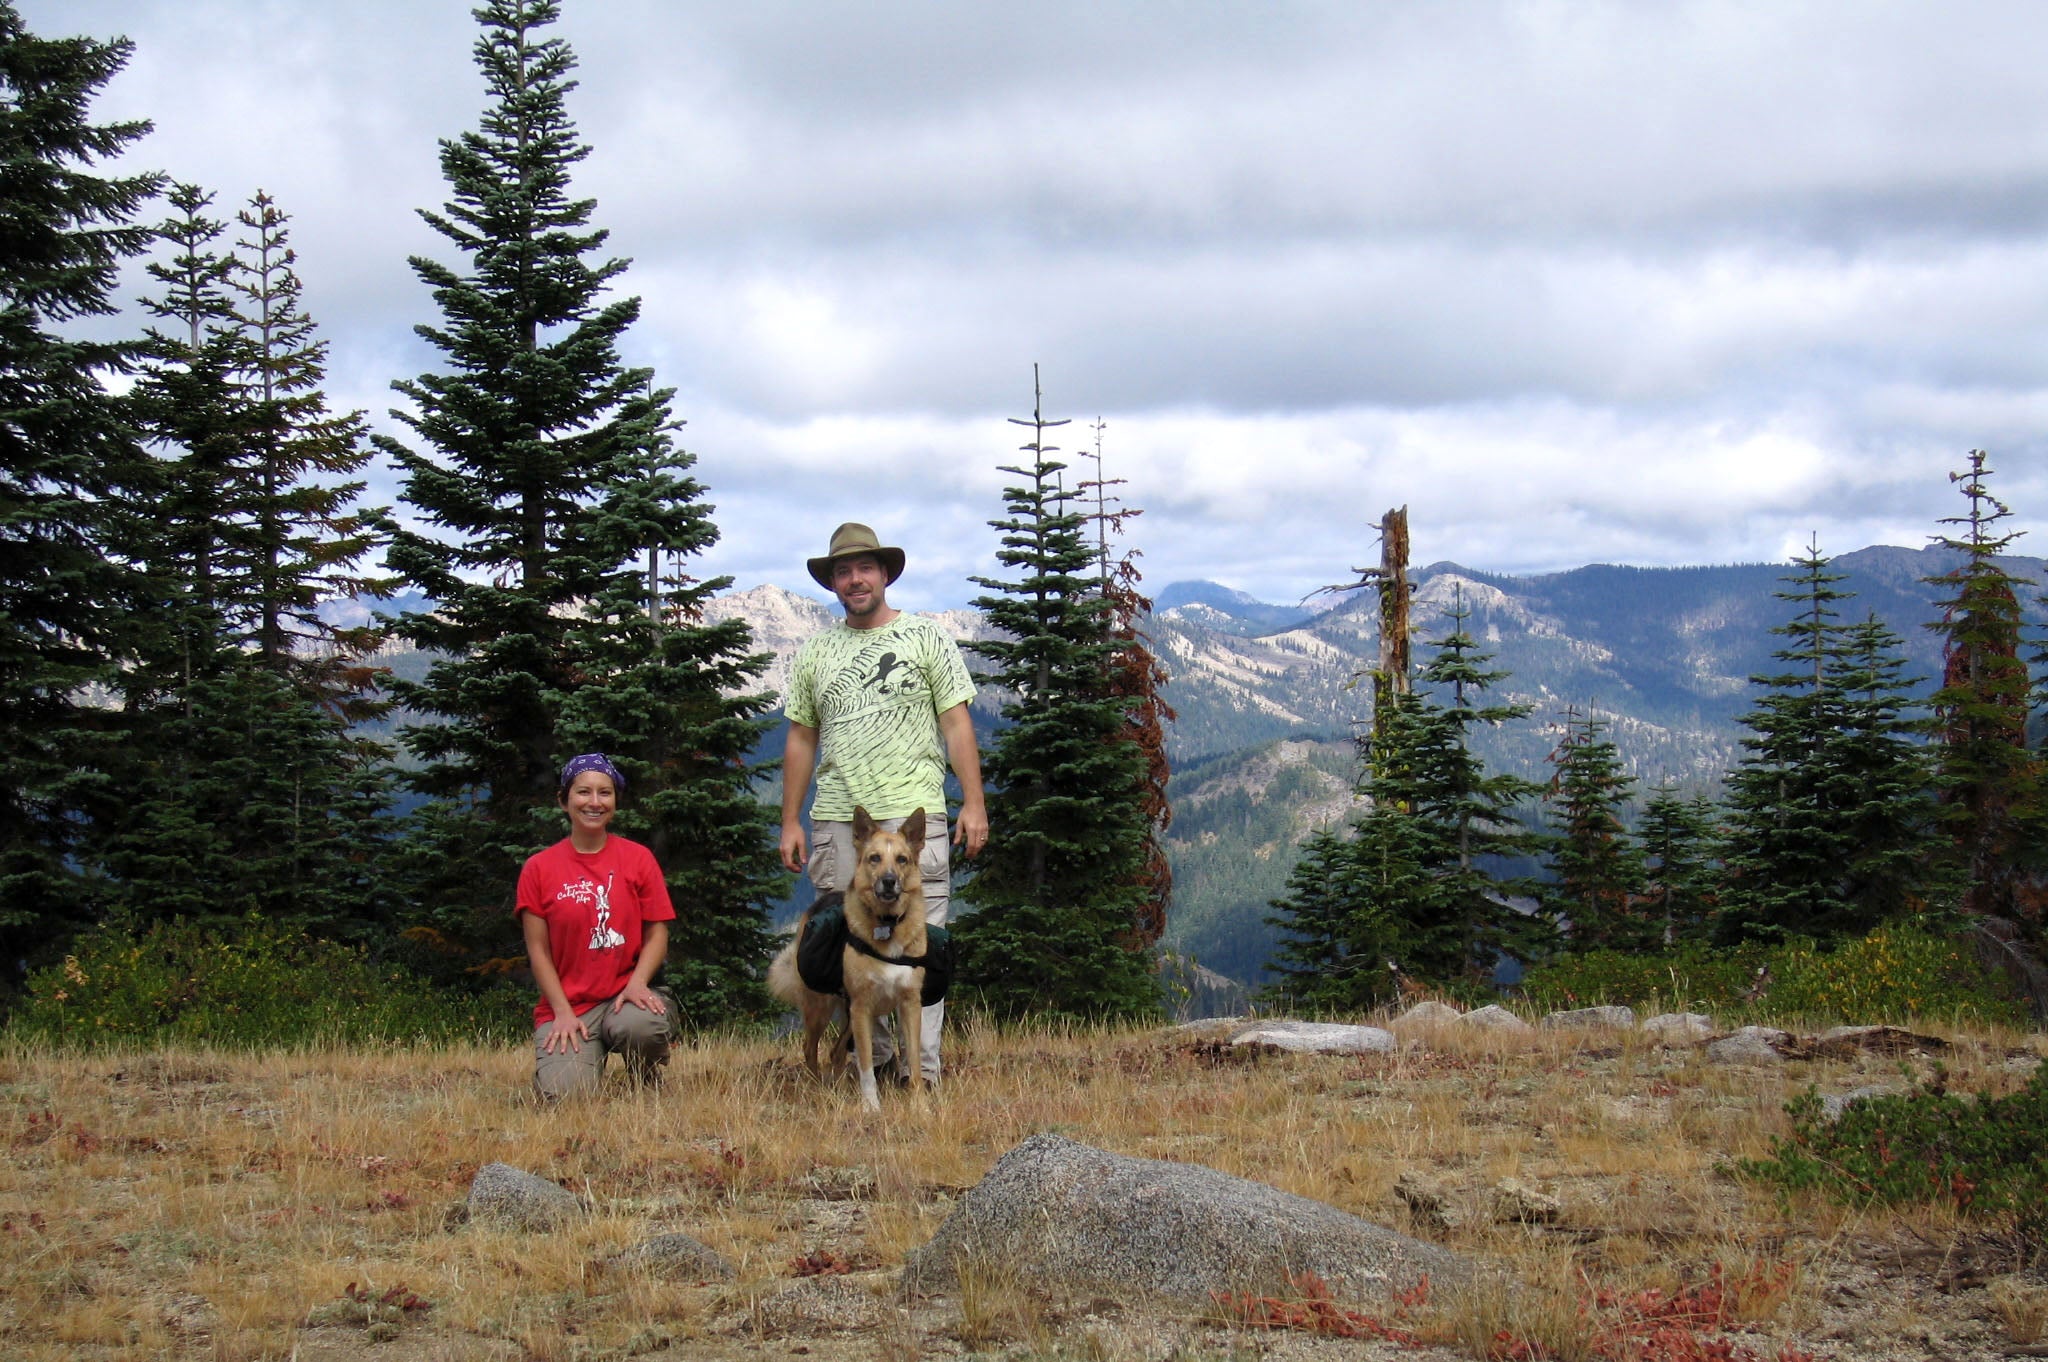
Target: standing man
point(877, 707)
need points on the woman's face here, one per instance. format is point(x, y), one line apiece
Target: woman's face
point(590, 801)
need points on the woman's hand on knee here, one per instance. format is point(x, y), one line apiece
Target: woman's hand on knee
point(564, 1035)
point(642, 997)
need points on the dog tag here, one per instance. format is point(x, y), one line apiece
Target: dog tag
point(882, 930)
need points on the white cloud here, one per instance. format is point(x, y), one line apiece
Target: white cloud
point(1585, 281)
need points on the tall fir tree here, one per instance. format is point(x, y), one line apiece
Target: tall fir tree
point(71, 469)
point(1058, 894)
point(1987, 779)
point(244, 789)
point(1827, 828)
point(1786, 844)
point(545, 474)
point(302, 529)
point(1883, 767)
point(188, 402)
point(1598, 865)
point(1472, 812)
point(1678, 834)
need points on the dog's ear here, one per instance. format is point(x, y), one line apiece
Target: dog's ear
point(863, 826)
point(912, 830)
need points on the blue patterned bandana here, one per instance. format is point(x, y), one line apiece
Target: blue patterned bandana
point(592, 761)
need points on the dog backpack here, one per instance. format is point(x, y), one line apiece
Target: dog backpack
point(821, 952)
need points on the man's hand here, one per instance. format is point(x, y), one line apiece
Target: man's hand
point(794, 849)
point(970, 831)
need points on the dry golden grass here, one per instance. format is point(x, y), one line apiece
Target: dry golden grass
point(232, 1206)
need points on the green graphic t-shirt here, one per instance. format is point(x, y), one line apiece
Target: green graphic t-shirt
point(875, 696)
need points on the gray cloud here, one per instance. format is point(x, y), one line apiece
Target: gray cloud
point(1614, 282)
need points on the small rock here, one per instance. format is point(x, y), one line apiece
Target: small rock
point(1750, 1045)
point(1206, 1029)
point(1832, 1105)
point(1516, 1202)
point(1428, 1012)
point(1582, 1017)
point(1322, 1038)
point(1878, 1040)
point(840, 1184)
point(674, 1257)
point(1675, 1027)
point(1427, 1200)
point(1496, 1018)
point(509, 1196)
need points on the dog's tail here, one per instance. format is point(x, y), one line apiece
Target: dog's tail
point(783, 980)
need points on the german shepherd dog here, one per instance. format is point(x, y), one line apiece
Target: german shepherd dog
point(884, 923)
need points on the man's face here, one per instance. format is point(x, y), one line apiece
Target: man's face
point(859, 582)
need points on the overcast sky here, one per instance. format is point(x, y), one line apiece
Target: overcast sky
point(1576, 282)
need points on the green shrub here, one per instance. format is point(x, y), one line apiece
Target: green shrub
point(1895, 974)
point(1685, 978)
point(249, 985)
point(1982, 1154)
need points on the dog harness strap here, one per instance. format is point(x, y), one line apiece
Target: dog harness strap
point(914, 961)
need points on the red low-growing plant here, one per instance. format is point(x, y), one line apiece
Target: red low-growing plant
point(818, 1263)
point(1641, 1326)
point(1314, 1312)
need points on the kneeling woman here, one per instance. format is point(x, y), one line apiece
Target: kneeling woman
point(595, 911)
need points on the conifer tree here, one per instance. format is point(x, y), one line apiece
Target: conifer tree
point(301, 530)
point(244, 790)
point(71, 467)
point(1678, 836)
point(1137, 677)
point(188, 403)
point(1059, 893)
point(544, 474)
point(1785, 841)
point(1827, 814)
point(1469, 810)
point(1988, 781)
point(1884, 771)
point(1599, 867)
point(1336, 933)
point(1418, 882)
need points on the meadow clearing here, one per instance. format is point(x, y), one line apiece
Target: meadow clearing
point(306, 1203)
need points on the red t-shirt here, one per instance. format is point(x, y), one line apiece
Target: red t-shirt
point(594, 905)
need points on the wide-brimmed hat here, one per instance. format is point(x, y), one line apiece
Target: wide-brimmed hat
point(848, 540)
